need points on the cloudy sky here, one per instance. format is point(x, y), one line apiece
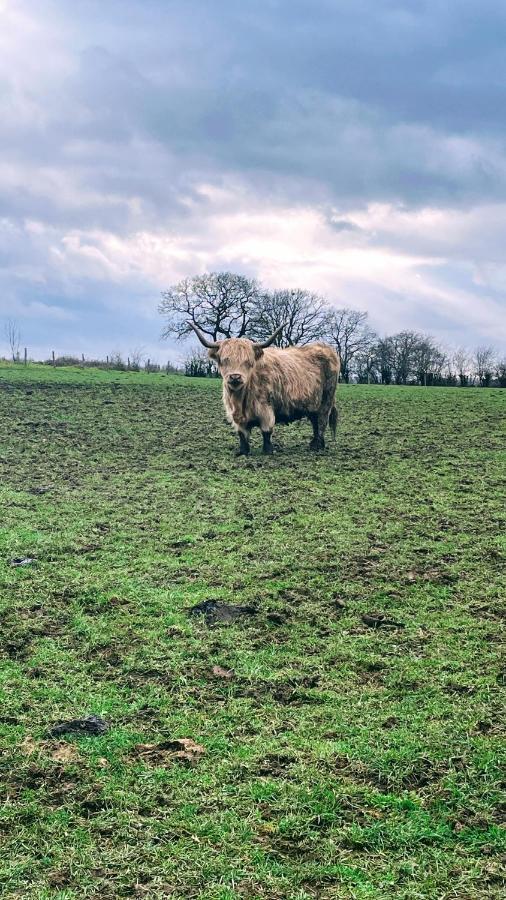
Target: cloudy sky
point(353, 147)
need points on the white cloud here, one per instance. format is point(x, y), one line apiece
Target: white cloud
point(368, 266)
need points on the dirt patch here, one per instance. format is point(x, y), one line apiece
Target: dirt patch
point(391, 722)
point(289, 693)
point(278, 618)
point(380, 620)
point(217, 612)
point(422, 773)
point(453, 687)
point(220, 672)
point(369, 672)
point(275, 765)
point(17, 643)
point(65, 753)
point(183, 750)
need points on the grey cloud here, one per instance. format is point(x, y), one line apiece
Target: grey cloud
point(341, 225)
point(357, 100)
point(308, 102)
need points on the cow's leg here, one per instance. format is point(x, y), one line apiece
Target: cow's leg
point(313, 418)
point(267, 448)
point(317, 441)
point(323, 421)
point(319, 422)
point(244, 444)
point(267, 420)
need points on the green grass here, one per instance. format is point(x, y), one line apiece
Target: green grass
point(341, 761)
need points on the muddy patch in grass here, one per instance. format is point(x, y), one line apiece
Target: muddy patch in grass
point(423, 772)
point(181, 750)
point(217, 612)
point(293, 692)
point(380, 620)
point(275, 765)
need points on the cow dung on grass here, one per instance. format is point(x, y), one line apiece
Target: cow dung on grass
point(218, 612)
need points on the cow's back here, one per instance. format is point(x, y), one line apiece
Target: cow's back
point(296, 377)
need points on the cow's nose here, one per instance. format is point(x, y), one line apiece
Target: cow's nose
point(235, 378)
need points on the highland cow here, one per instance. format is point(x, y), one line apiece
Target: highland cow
point(263, 385)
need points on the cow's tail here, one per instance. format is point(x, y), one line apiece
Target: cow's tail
point(333, 420)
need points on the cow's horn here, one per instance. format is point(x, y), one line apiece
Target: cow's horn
point(211, 345)
point(272, 338)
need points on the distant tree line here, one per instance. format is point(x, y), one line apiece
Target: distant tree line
point(136, 361)
point(225, 305)
point(113, 361)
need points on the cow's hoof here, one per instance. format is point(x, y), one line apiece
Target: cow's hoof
point(317, 444)
point(268, 451)
point(242, 453)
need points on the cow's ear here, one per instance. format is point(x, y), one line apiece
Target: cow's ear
point(213, 354)
point(257, 350)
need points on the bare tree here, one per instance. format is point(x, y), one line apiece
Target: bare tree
point(383, 351)
point(136, 358)
point(405, 346)
point(501, 372)
point(484, 359)
point(429, 361)
point(448, 374)
point(349, 331)
point(221, 304)
point(366, 365)
point(13, 336)
point(304, 315)
point(116, 361)
point(462, 363)
point(198, 365)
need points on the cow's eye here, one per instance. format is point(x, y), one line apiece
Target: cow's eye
point(223, 360)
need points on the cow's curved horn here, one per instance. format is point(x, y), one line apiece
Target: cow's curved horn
point(272, 338)
point(211, 345)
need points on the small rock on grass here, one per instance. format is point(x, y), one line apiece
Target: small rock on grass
point(19, 561)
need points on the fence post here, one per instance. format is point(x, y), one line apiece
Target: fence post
point(54, 361)
point(26, 356)
point(107, 360)
point(128, 362)
point(82, 358)
point(148, 365)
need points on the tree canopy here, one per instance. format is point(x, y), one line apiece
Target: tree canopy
point(224, 305)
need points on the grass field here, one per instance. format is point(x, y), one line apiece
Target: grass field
point(333, 759)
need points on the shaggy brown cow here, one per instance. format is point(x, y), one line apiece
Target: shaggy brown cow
point(263, 386)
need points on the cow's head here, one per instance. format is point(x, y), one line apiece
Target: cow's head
point(235, 357)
